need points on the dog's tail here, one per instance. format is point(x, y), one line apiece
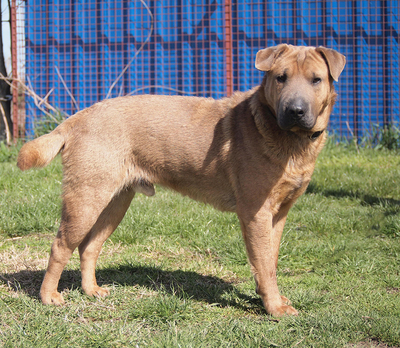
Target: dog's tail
point(41, 151)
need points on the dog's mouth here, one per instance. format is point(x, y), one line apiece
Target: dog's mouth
point(311, 135)
point(288, 123)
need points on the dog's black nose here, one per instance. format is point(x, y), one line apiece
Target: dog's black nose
point(296, 110)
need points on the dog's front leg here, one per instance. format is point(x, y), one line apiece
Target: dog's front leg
point(262, 237)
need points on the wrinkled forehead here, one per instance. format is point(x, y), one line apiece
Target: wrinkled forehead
point(301, 60)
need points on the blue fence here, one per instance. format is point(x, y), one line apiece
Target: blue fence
point(81, 51)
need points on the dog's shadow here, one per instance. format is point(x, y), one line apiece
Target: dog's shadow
point(365, 199)
point(183, 284)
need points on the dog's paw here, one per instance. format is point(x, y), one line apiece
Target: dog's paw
point(97, 291)
point(280, 311)
point(280, 307)
point(52, 298)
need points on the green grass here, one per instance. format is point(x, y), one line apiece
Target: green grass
point(178, 272)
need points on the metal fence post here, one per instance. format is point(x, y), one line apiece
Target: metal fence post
point(14, 61)
point(228, 48)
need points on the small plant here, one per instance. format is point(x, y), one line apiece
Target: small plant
point(48, 123)
point(389, 137)
point(386, 137)
point(8, 153)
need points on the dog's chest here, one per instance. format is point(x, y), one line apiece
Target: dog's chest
point(293, 182)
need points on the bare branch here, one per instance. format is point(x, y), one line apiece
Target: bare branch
point(46, 96)
point(66, 88)
point(41, 103)
point(163, 87)
point(137, 52)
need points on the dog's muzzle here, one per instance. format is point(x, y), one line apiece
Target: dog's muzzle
point(296, 112)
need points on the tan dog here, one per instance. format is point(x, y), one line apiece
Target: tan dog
point(252, 153)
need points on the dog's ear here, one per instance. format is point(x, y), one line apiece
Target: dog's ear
point(334, 59)
point(265, 58)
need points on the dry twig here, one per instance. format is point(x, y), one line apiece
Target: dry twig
point(41, 103)
point(137, 52)
point(66, 88)
point(8, 133)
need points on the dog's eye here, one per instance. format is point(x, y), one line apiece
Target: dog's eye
point(316, 80)
point(281, 78)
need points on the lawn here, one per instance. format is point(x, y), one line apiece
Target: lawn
point(178, 272)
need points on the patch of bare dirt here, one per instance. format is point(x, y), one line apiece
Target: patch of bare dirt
point(370, 344)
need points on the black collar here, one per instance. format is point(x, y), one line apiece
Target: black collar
point(315, 135)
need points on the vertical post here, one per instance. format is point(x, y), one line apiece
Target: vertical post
point(14, 61)
point(357, 54)
point(386, 66)
point(228, 48)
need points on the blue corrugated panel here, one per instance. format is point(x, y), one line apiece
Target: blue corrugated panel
point(85, 26)
point(369, 17)
point(394, 81)
point(340, 16)
point(91, 41)
point(249, 33)
point(393, 54)
point(280, 19)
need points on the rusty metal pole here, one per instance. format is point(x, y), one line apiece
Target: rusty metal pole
point(14, 62)
point(228, 48)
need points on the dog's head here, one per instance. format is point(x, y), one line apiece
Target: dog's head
point(298, 85)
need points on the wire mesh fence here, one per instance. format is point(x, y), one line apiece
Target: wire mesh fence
point(78, 52)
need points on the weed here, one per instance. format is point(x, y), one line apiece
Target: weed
point(8, 153)
point(386, 137)
point(48, 123)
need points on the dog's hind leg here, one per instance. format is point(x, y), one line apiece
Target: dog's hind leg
point(90, 248)
point(60, 254)
point(88, 218)
point(75, 225)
